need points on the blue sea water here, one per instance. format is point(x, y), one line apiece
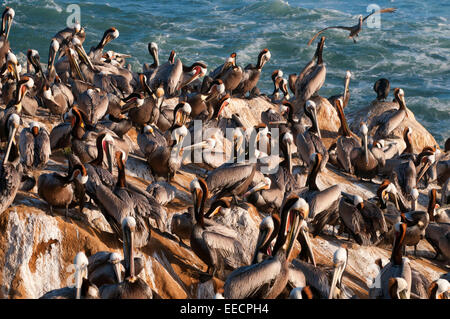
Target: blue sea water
point(411, 48)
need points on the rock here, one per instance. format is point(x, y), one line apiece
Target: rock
point(370, 114)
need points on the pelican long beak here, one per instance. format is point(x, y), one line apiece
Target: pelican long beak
point(309, 244)
point(9, 22)
point(292, 236)
point(224, 104)
point(316, 122)
point(191, 79)
point(366, 150)
point(109, 158)
point(262, 238)
point(12, 67)
point(424, 170)
point(258, 187)
point(79, 280)
point(11, 140)
point(277, 122)
point(336, 274)
point(289, 157)
point(200, 145)
point(118, 272)
point(76, 66)
point(82, 53)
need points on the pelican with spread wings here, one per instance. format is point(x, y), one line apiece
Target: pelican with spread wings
point(356, 29)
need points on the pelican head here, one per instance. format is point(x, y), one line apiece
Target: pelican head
point(81, 272)
point(34, 128)
point(398, 288)
point(439, 289)
point(115, 259)
point(348, 74)
point(7, 18)
point(13, 65)
point(340, 262)
point(264, 184)
point(79, 172)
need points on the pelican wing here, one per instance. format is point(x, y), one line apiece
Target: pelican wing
point(387, 10)
point(26, 147)
point(98, 259)
point(324, 200)
point(334, 27)
point(227, 249)
point(42, 146)
point(252, 281)
point(312, 82)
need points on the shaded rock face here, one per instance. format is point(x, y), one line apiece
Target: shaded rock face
point(383, 110)
point(37, 249)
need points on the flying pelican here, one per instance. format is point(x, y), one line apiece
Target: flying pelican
point(58, 190)
point(382, 88)
point(356, 29)
point(132, 287)
point(252, 73)
point(10, 170)
point(217, 246)
point(83, 289)
point(268, 278)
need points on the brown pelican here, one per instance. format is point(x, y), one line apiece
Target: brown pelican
point(218, 72)
point(83, 289)
point(34, 146)
point(58, 98)
point(395, 119)
point(344, 97)
point(382, 88)
point(110, 34)
point(132, 287)
point(58, 190)
point(153, 50)
point(397, 267)
point(217, 246)
point(65, 36)
point(364, 219)
point(437, 233)
point(251, 73)
point(268, 231)
point(337, 289)
point(346, 142)
point(356, 29)
point(7, 18)
point(268, 278)
point(104, 268)
point(319, 201)
point(230, 180)
point(93, 104)
point(310, 141)
point(10, 170)
point(312, 77)
point(437, 213)
point(14, 106)
point(364, 162)
point(439, 289)
point(164, 158)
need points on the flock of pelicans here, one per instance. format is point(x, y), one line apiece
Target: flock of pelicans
point(94, 100)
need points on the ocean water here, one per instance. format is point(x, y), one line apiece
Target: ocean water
point(411, 48)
